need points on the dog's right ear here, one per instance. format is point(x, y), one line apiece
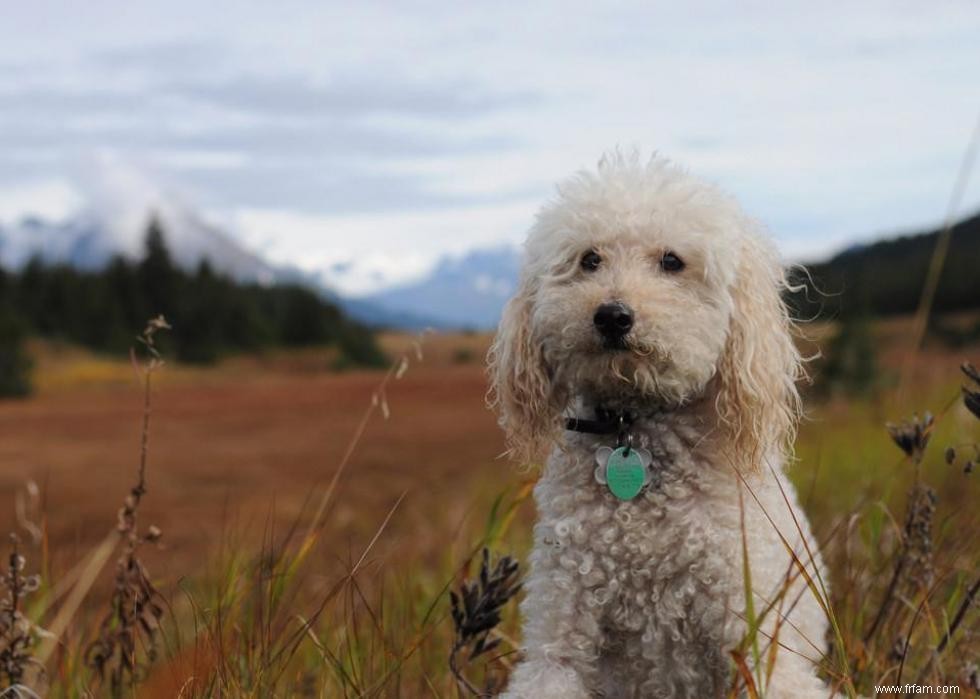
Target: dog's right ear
point(520, 384)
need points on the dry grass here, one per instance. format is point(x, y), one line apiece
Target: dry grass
point(262, 597)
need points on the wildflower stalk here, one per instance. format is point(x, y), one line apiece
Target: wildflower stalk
point(17, 633)
point(911, 437)
point(476, 613)
point(136, 606)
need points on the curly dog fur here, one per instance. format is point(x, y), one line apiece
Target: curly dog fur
point(647, 597)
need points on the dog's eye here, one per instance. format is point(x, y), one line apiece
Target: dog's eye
point(590, 261)
point(671, 262)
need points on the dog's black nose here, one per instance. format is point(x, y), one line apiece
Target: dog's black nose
point(613, 320)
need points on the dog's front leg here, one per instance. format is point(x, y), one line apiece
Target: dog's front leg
point(562, 634)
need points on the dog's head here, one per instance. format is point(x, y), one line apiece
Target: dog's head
point(644, 286)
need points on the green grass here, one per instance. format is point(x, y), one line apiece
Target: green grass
point(856, 484)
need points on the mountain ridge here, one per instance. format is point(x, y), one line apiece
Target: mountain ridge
point(462, 291)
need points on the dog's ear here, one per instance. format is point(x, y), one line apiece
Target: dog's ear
point(520, 384)
point(757, 397)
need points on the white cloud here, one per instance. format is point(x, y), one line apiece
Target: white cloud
point(201, 159)
point(51, 198)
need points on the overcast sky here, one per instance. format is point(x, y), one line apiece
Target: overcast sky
point(387, 134)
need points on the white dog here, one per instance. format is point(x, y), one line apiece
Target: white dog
point(648, 348)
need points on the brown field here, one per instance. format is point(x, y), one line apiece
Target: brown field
point(247, 445)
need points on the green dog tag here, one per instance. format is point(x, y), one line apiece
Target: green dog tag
point(624, 473)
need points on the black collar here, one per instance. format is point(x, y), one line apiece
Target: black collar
point(605, 422)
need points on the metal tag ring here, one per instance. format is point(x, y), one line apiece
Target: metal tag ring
point(625, 440)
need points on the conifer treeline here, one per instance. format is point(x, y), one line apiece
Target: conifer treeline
point(887, 277)
point(212, 314)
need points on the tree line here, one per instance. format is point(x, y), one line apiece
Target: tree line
point(881, 279)
point(212, 315)
point(887, 277)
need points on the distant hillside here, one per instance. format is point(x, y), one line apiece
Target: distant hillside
point(461, 292)
point(886, 278)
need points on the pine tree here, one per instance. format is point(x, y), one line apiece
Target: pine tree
point(158, 275)
point(15, 366)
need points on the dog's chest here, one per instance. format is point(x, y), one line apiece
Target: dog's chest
point(649, 560)
point(653, 560)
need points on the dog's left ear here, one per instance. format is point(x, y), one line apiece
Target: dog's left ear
point(757, 396)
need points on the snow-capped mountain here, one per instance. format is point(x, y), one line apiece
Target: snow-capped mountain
point(88, 241)
point(467, 291)
point(119, 202)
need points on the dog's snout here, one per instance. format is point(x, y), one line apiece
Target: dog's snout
point(613, 320)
